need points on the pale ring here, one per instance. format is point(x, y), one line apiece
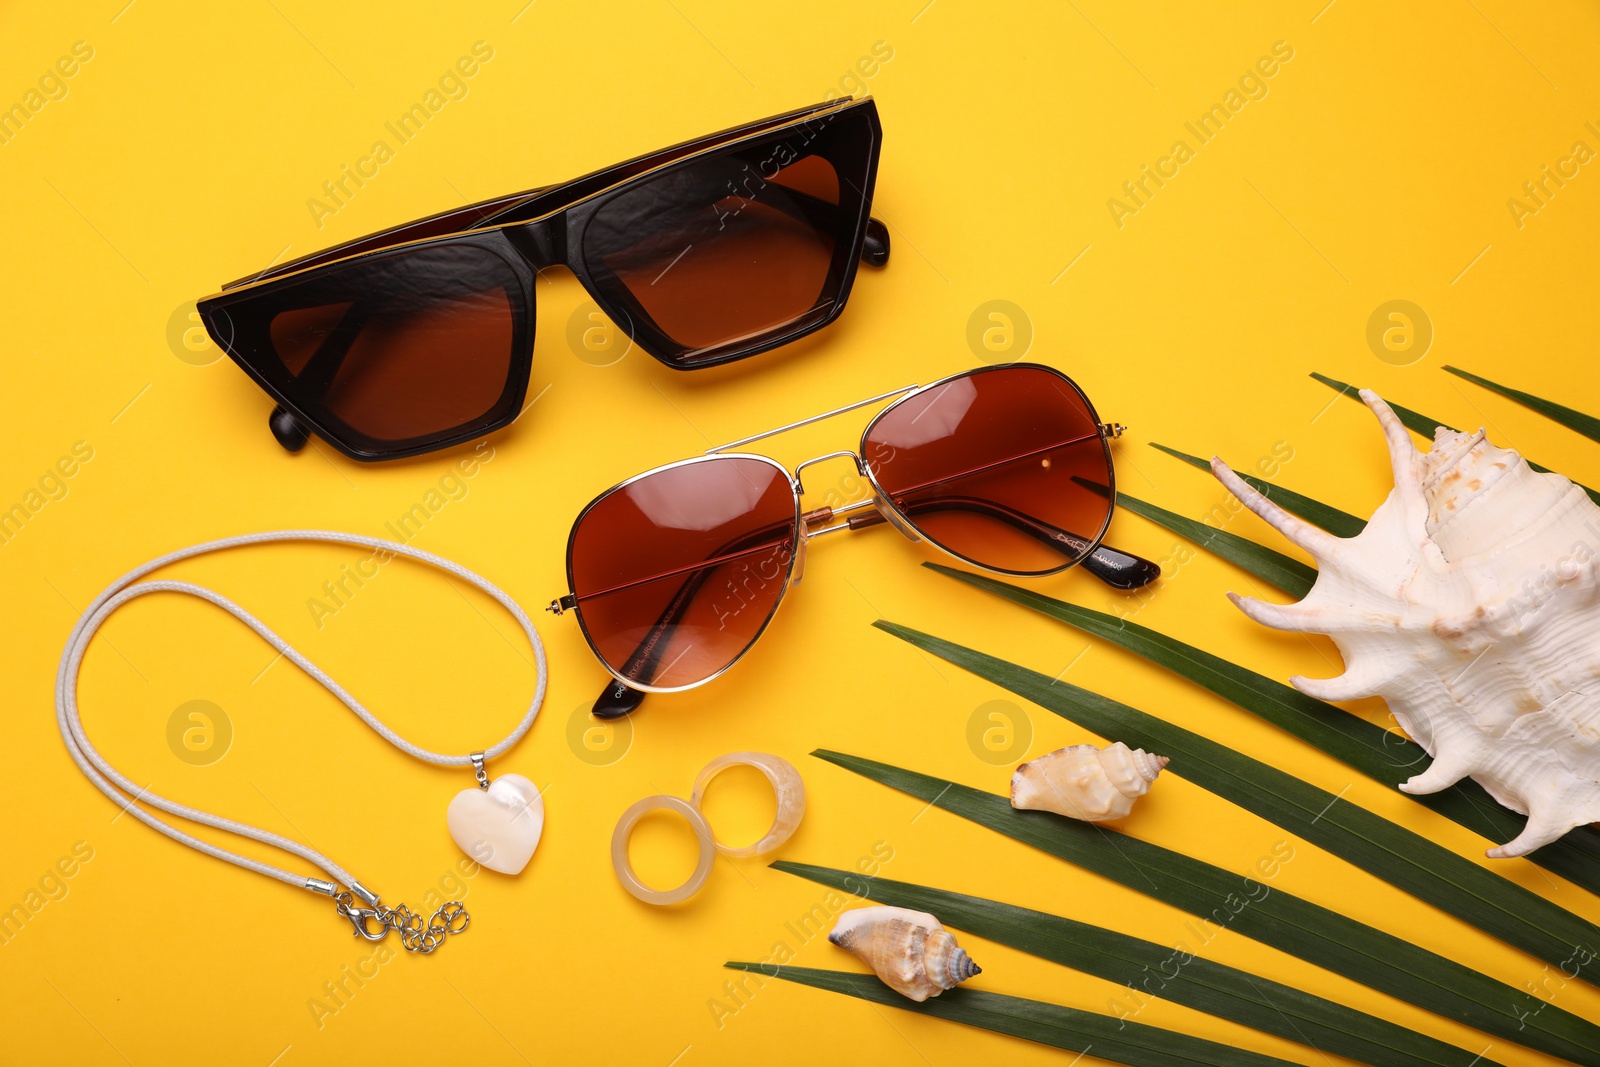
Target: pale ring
point(624, 866)
point(786, 786)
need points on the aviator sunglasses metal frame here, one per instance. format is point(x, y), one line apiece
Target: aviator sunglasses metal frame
point(421, 336)
point(1043, 454)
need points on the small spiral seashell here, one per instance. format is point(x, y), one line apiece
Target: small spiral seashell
point(908, 950)
point(1085, 782)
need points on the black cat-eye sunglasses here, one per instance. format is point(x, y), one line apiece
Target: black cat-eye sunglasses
point(421, 337)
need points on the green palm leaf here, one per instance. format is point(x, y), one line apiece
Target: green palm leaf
point(1336, 522)
point(1415, 421)
point(1374, 751)
point(1276, 569)
point(1077, 1031)
point(1572, 419)
point(1214, 988)
point(1271, 916)
point(1407, 860)
point(1421, 424)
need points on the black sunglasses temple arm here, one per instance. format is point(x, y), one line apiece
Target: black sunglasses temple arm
point(318, 375)
point(800, 205)
point(822, 214)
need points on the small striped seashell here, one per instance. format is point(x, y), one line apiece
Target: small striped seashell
point(908, 950)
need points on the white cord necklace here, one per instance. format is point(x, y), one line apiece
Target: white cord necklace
point(499, 827)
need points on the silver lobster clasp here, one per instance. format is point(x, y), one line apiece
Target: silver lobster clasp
point(362, 919)
point(359, 918)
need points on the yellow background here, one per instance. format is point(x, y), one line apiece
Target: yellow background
point(1378, 167)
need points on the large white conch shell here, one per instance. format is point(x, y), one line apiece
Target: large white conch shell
point(1085, 782)
point(1469, 604)
point(909, 950)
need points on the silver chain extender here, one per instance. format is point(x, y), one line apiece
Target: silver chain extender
point(415, 934)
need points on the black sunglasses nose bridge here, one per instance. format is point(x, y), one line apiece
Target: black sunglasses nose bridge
point(542, 242)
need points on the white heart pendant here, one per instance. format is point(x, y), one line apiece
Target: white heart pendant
point(499, 827)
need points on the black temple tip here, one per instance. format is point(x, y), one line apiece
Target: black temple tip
point(617, 701)
point(1121, 570)
point(291, 433)
point(875, 249)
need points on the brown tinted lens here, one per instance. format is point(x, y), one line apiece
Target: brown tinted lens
point(677, 572)
point(731, 247)
point(401, 347)
point(985, 466)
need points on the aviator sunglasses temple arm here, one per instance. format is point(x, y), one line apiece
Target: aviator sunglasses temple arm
point(1116, 568)
point(619, 698)
point(1121, 570)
